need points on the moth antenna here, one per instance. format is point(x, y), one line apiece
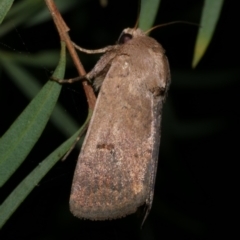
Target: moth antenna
point(170, 23)
point(137, 22)
point(139, 10)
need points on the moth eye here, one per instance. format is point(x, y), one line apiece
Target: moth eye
point(125, 37)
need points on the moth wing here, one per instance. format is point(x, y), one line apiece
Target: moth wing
point(116, 168)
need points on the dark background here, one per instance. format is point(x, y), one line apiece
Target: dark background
point(199, 127)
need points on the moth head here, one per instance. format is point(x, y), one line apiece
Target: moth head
point(128, 34)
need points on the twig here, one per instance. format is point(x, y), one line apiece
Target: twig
point(63, 33)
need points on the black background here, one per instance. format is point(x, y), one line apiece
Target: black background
point(199, 127)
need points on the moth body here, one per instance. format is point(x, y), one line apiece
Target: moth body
point(116, 168)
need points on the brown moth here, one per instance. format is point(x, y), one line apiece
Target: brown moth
point(117, 165)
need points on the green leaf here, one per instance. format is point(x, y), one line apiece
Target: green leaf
point(5, 5)
point(209, 19)
point(149, 9)
point(29, 13)
point(43, 15)
point(19, 14)
point(49, 58)
point(18, 141)
point(18, 195)
point(29, 86)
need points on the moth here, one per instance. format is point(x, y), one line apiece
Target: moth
point(117, 165)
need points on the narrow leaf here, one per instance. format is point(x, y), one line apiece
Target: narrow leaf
point(25, 10)
point(18, 195)
point(209, 19)
point(149, 9)
point(30, 86)
point(18, 141)
point(5, 5)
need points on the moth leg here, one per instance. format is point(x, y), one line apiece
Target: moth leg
point(101, 50)
point(100, 70)
point(70, 80)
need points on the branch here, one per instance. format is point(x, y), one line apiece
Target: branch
point(63, 33)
